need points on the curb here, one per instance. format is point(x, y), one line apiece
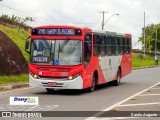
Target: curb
point(137, 68)
point(13, 86)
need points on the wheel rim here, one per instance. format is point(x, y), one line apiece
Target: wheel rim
point(93, 84)
point(118, 78)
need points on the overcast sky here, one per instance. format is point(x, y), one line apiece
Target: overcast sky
point(86, 13)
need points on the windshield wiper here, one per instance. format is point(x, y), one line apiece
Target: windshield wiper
point(58, 50)
point(54, 51)
point(63, 45)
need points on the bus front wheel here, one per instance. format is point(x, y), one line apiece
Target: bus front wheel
point(92, 88)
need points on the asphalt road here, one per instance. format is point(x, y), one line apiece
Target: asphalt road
point(71, 100)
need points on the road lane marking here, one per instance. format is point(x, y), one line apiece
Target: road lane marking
point(32, 108)
point(51, 107)
point(16, 90)
point(41, 108)
point(140, 104)
point(122, 118)
point(123, 101)
point(114, 118)
point(27, 108)
point(47, 107)
point(149, 95)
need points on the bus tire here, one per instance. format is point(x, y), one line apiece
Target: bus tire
point(92, 88)
point(49, 90)
point(118, 80)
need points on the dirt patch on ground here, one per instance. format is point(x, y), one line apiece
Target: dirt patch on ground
point(12, 61)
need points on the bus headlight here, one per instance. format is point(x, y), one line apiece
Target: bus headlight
point(34, 75)
point(70, 77)
point(74, 76)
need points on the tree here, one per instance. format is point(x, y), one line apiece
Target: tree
point(16, 21)
point(23, 20)
point(150, 31)
point(29, 19)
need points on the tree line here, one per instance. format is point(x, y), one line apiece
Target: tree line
point(15, 21)
point(152, 37)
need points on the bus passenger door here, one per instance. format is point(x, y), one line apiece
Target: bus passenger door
point(87, 58)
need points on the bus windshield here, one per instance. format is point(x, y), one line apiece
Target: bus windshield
point(56, 52)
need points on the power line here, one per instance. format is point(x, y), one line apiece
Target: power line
point(38, 17)
point(35, 16)
point(36, 20)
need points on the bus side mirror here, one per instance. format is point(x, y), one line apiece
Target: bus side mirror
point(27, 45)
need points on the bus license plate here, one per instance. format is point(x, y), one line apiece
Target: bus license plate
point(52, 83)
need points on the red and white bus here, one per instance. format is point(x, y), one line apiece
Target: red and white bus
point(69, 57)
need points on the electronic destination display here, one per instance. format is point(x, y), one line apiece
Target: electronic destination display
point(57, 31)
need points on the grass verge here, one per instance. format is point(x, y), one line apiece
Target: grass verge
point(14, 79)
point(139, 61)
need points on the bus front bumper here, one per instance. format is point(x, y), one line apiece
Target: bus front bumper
point(76, 83)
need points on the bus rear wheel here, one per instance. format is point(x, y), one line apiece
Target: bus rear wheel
point(49, 90)
point(92, 88)
point(118, 80)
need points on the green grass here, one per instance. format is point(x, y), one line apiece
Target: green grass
point(13, 79)
point(17, 37)
point(137, 61)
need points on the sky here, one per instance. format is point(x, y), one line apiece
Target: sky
point(86, 13)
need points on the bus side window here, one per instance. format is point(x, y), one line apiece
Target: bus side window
point(109, 45)
point(103, 45)
point(126, 45)
point(114, 45)
point(96, 45)
point(129, 45)
point(121, 45)
point(87, 48)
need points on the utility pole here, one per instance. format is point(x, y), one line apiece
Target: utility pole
point(144, 35)
point(103, 12)
point(156, 42)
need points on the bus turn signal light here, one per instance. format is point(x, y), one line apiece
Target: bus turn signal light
point(34, 75)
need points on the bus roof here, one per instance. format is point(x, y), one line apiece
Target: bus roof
point(59, 26)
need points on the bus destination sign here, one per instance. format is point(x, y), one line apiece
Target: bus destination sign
point(57, 31)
